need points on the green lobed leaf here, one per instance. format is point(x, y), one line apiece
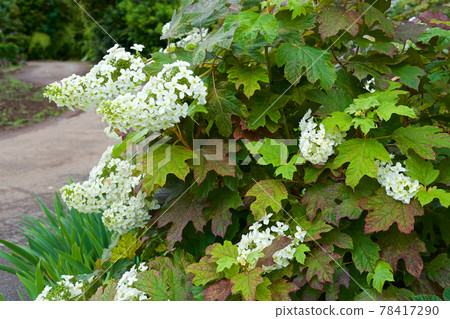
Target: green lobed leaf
point(221, 39)
point(409, 74)
point(126, 247)
point(300, 251)
point(426, 196)
point(222, 105)
point(271, 151)
point(420, 169)
point(225, 255)
point(372, 15)
point(268, 193)
point(421, 139)
point(361, 153)
point(263, 293)
point(246, 283)
point(267, 24)
point(365, 252)
point(287, 170)
point(204, 271)
point(382, 273)
point(222, 200)
point(438, 270)
point(161, 160)
point(248, 77)
point(264, 109)
point(444, 37)
point(316, 63)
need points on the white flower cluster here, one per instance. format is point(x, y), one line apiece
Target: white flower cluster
point(125, 290)
point(192, 38)
point(397, 185)
point(315, 144)
point(160, 104)
point(110, 190)
point(119, 72)
point(64, 290)
point(255, 241)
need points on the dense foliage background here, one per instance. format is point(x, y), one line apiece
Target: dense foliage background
point(358, 208)
point(60, 30)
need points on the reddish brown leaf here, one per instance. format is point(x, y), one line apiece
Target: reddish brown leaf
point(281, 288)
point(222, 200)
point(341, 278)
point(335, 18)
point(321, 263)
point(434, 19)
point(218, 291)
point(183, 210)
point(277, 244)
point(384, 211)
point(323, 197)
point(395, 245)
point(222, 166)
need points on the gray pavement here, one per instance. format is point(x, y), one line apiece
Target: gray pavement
point(39, 159)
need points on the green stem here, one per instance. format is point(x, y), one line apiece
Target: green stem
point(285, 126)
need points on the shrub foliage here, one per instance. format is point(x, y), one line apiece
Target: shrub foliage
point(354, 209)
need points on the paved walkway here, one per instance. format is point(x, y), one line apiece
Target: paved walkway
point(39, 159)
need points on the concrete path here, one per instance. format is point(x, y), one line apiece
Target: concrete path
point(39, 159)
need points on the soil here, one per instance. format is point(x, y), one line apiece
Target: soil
point(21, 95)
point(40, 158)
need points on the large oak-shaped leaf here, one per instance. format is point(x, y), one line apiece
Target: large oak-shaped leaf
point(421, 139)
point(315, 63)
point(361, 153)
point(395, 246)
point(222, 167)
point(222, 200)
point(438, 270)
point(384, 211)
point(281, 288)
point(219, 290)
point(321, 263)
point(365, 252)
point(161, 160)
point(373, 15)
point(222, 105)
point(204, 271)
point(246, 283)
point(269, 192)
point(335, 18)
point(183, 210)
point(323, 197)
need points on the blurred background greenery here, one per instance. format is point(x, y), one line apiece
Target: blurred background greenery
point(60, 30)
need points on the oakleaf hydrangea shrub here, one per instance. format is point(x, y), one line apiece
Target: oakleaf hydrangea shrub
point(331, 154)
